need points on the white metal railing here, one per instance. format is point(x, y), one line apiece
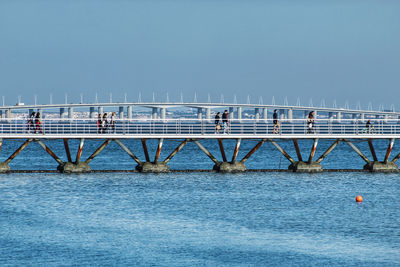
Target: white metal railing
point(189, 127)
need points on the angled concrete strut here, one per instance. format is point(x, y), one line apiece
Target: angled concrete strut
point(66, 146)
point(48, 150)
point(236, 150)
point(177, 149)
point(158, 152)
point(254, 149)
point(357, 151)
point(313, 149)
point(146, 152)
point(206, 151)
point(128, 151)
point(98, 150)
point(371, 147)
point(389, 150)
point(221, 148)
point(10, 158)
point(79, 153)
point(329, 150)
point(282, 151)
point(296, 146)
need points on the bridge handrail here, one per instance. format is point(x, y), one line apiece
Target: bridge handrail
point(203, 120)
point(187, 127)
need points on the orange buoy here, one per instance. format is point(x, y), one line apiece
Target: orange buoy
point(359, 199)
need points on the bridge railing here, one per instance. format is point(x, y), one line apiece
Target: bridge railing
point(198, 127)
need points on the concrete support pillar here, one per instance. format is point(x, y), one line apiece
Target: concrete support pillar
point(154, 113)
point(92, 114)
point(62, 113)
point(290, 115)
point(282, 114)
point(231, 113)
point(70, 112)
point(121, 112)
point(8, 114)
point(200, 113)
point(129, 112)
point(257, 114)
point(354, 117)
point(239, 114)
point(265, 114)
point(163, 112)
point(100, 110)
point(362, 117)
point(208, 114)
point(339, 117)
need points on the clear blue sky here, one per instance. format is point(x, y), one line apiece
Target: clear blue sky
point(343, 50)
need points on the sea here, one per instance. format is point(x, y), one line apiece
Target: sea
point(195, 218)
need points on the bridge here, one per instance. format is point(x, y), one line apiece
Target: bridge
point(204, 110)
point(333, 130)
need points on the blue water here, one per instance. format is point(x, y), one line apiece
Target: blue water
point(183, 219)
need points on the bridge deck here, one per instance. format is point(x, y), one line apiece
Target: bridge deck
point(200, 136)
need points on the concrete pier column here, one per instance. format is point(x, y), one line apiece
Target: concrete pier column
point(200, 113)
point(282, 114)
point(265, 114)
point(92, 114)
point(70, 112)
point(208, 114)
point(121, 112)
point(129, 112)
point(362, 117)
point(154, 113)
point(231, 113)
point(354, 117)
point(62, 113)
point(257, 114)
point(330, 116)
point(100, 110)
point(239, 114)
point(163, 112)
point(386, 118)
point(339, 117)
point(290, 115)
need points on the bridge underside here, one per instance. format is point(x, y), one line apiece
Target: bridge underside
point(234, 164)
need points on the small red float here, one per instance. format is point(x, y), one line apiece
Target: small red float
point(359, 199)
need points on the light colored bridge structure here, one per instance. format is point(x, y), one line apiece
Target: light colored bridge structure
point(334, 130)
point(204, 110)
